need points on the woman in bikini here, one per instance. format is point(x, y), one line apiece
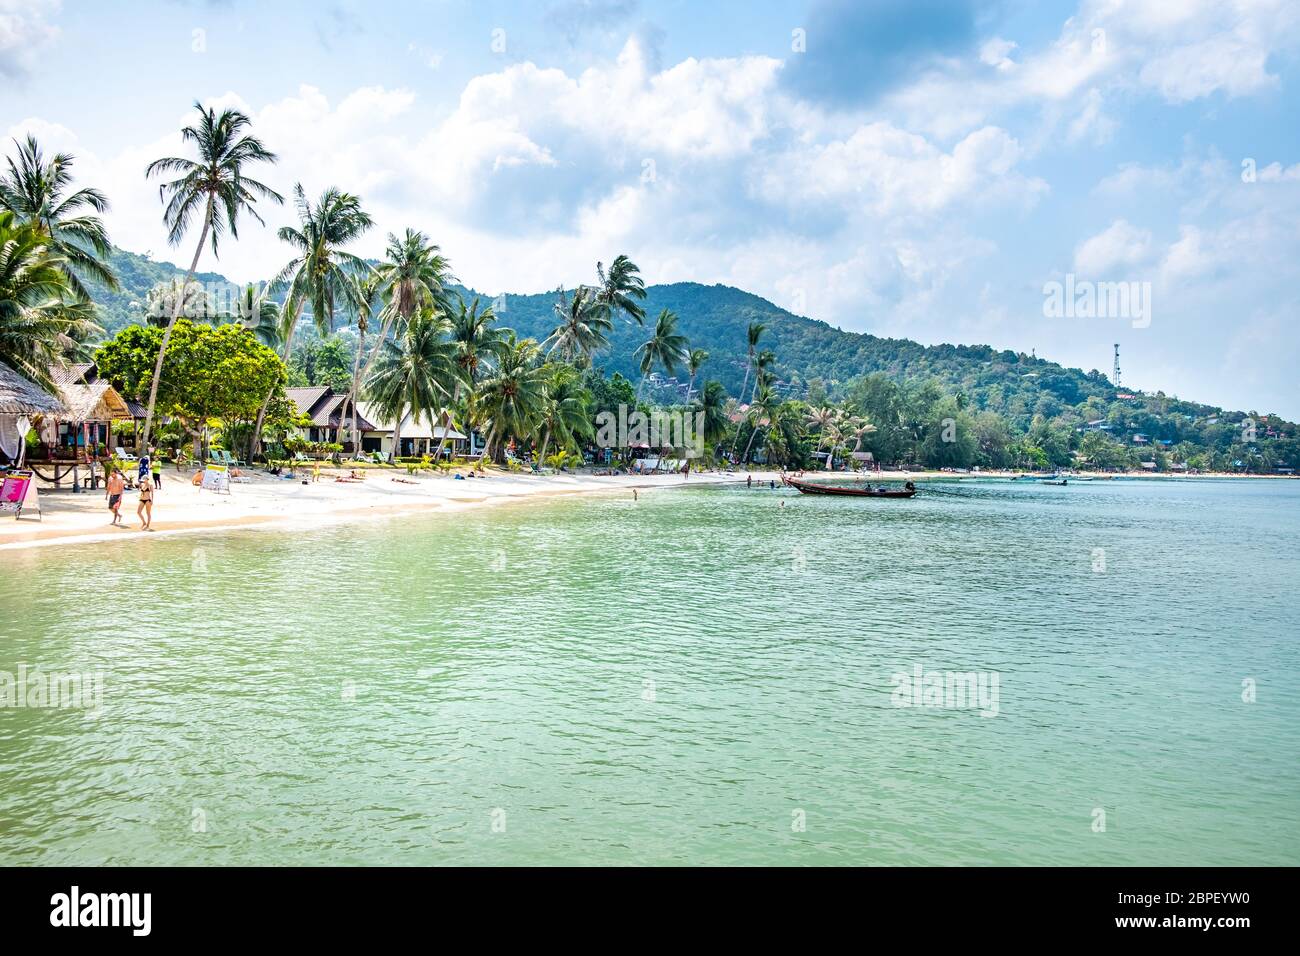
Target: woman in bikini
point(144, 510)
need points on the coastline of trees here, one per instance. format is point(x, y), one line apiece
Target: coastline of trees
point(400, 334)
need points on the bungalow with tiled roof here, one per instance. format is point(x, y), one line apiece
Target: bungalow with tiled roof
point(329, 421)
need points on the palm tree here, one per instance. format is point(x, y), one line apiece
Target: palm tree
point(695, 360)
point(217, 179)
point(513, 395)
point(755, 333)
point(564, 414)
point(261, 315)
point(416, 372)
point(42, 323)
point(371, 305)
point(34, 190)
point(666, 347)
point(713, 404)
point(321, 272)
point(762, 407)
point(415, 276)
point(620, 289)
point(583, 329)
point(765, 358)
point(478, 343)
point(820, 418)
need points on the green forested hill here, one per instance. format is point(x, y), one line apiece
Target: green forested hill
point(137, 275)
point(1054, 405)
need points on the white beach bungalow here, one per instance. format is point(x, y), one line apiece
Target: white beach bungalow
point(417, 437)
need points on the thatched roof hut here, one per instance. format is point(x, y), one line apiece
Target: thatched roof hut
point(96, 402)
point(21, 396)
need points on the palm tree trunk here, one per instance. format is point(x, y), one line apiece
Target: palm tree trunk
point(740, 400)
point(266, 403)
point(171, 323)
point(356, 384)
point(446, 425)
point(487, 445)
point(749, 444)
point(396, 450)
point(546, 441)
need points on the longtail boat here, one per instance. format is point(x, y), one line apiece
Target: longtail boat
point(812, 488)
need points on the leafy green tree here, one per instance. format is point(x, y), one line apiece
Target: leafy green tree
point(217, 179)
point(209, 372)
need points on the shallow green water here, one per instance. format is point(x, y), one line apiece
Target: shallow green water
point(701, 677)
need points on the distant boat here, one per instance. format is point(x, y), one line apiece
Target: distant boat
point(812, 488)
point(1050, 477)
point(1050, 481)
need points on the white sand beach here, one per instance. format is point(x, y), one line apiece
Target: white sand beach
point(265, 501)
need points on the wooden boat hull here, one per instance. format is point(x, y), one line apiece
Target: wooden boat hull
point(812, 488)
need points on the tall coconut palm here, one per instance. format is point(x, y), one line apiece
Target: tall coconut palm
point(217, 188)
point(621, 289)
point(261, 315)
point(762, 410)
point(512, 395)
point(564, 414)
point(414, 275)
point(416, 372)
point(762, 361)
point(695, 360)
point(478, 343)
point(754, 335)
point(42, 322)
point(371, 305)
point(36, 190)
point(583, 329)
point(666, 347)
point(712, 403)
point(321, 273)
point(820, 418)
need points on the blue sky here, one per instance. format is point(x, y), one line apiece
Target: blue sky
point(918, 169)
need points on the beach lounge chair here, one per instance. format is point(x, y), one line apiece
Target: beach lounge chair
point(123, 454)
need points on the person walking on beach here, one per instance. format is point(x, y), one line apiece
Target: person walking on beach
point(155, 469)
point(113, 488)
point(144, 510)
point(315, 471)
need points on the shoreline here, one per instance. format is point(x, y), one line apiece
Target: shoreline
point(278, 504)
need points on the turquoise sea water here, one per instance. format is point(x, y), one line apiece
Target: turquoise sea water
point(703, 676)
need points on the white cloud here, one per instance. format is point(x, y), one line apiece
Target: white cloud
point(24, 30)
point(1113, 252)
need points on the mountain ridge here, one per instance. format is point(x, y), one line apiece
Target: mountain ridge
point(715, 317)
